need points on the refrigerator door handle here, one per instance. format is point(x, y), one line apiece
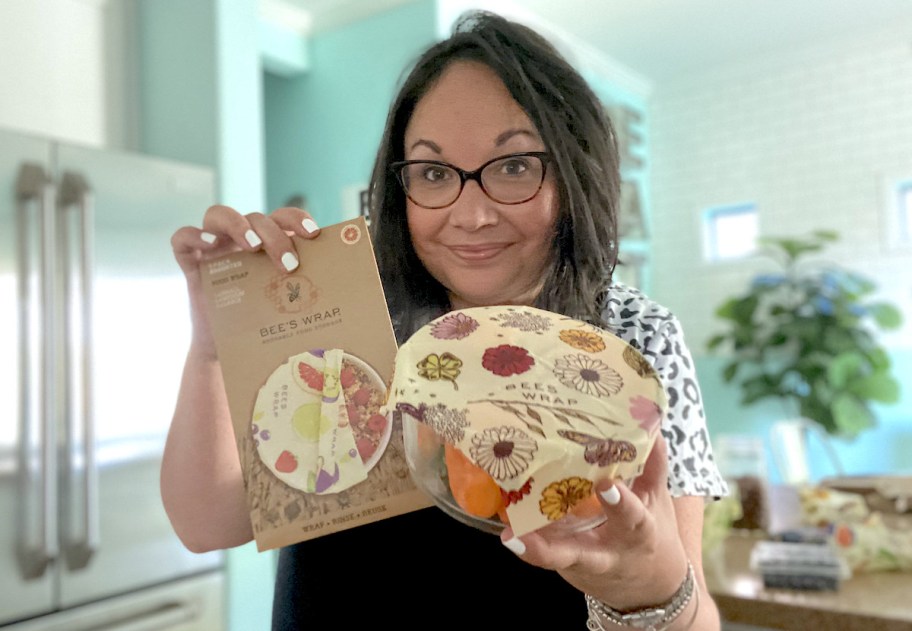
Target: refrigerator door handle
point(169, 616)
point(76, 220)
point(36, 546)
point(152, 614)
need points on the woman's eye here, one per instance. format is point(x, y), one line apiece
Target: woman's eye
point(514, 166)
point(434, 173)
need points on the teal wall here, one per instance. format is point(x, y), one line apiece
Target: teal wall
point(323, 127)
point(177, 80)
point(200, 91)
point(887, 448)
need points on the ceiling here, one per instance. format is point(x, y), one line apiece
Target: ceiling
point(659, 39)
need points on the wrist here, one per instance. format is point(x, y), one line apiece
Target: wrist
point(602, 617)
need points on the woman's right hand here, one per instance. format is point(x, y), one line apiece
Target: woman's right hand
point(225, 230)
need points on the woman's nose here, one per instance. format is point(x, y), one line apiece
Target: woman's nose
point(473, 209)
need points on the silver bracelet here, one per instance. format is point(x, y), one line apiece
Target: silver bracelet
point(649, 618)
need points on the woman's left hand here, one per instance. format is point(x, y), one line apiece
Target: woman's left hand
point(636, 558)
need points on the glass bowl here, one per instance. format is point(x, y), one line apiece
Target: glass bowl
point(478, 501)
point(512, 415)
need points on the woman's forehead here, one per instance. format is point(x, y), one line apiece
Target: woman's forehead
point(469, 104)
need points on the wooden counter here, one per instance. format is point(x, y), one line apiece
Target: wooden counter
point(880, 601)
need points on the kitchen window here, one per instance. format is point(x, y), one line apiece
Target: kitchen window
point(729, 232)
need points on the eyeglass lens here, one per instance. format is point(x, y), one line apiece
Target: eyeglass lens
point(507, 180)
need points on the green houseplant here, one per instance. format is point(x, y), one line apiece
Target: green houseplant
point(806, 334)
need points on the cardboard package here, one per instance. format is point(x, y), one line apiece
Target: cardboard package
point(307, 359)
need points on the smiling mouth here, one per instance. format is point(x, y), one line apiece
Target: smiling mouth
point(478, 252)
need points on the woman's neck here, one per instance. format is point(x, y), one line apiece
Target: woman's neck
point(527, 299)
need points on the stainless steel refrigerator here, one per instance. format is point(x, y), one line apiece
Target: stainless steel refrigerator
point(93, 331)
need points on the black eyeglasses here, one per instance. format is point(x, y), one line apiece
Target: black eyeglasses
point(509, 179)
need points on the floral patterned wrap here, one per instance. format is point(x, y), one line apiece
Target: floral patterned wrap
point(545, 404)
point(864, 538)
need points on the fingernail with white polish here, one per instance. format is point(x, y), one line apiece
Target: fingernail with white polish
point(208, 237)
point(611, 496)
point(253, 238)
point(516, 546)
point(290, 261)
point(310, 225)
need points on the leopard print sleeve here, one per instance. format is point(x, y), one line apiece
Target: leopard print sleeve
point(656, 333)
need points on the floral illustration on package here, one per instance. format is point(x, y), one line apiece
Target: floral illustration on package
point(511, 415)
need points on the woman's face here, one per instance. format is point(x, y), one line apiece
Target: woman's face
point(482, 251)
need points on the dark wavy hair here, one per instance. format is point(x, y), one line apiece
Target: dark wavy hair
point(576, 131)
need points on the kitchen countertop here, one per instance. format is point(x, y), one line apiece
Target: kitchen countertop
point(879, 601)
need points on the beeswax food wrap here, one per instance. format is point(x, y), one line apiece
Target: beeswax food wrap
point(513, 414)
point(307, 427)
point(863, 538)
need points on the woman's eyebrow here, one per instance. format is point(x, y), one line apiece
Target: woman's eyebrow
point(505, 136)
point(501, 139)
point(433, 146)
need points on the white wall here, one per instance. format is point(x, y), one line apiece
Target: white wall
point(65, 70)
point(810, 137)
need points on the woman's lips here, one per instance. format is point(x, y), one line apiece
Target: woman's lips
point(478, 252)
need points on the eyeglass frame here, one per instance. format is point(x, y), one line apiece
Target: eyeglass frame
point(475, 175)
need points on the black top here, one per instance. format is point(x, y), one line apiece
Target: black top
point(423, 570)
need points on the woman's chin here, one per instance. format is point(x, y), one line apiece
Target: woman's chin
point(476, 298)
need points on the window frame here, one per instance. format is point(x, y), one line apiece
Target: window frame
point(710, 230)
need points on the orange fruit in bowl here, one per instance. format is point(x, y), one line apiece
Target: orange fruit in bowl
point(588, 507)
point(474, 490)
point(428, 441)
point(502, 513)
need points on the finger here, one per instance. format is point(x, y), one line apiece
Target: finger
point(627, 519)
point(275, 241)
point(296, 221)
point(627, 506)
point(228, 224)
point(625, 511)
point(190, 238)
point(188, 243)
point(584, 551)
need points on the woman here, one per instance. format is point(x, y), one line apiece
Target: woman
point(496, 183)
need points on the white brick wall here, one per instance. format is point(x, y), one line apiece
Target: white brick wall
point(811, 137)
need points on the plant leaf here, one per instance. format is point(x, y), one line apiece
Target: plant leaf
point(744, 309)
point(757, 388)
point(729, 372)
point(877, 386)
point(826, 235)
point(843, 368)
point(812, 408)
point(715, 341)
point(879, 359)
point(886, 315)
point(778, 338)
point(850, 415)
point(793, 248)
